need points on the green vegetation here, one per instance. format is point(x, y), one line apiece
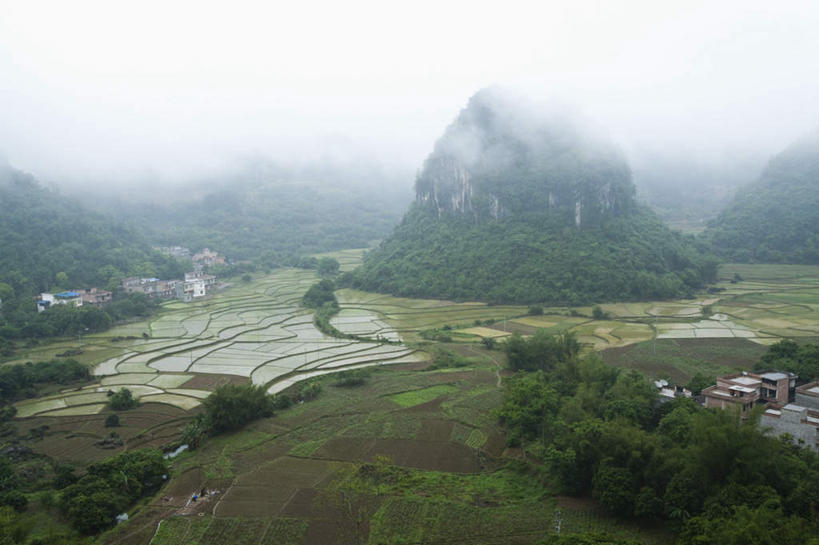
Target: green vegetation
point(327, 266)
point(600, 431)
point(416, 397)
point(51, 242)
point(319, 294)
point(112, 421)
point(682, 359)
point(786, 355)
point(585, 539)
point(534, 258)
point(356, 377)
point(537, 212)
point(447, 477)
point(18, 381)
point(122, 400)
point(109, 488)
point(265, 211)
point(775, 219)
point(542, 351)
point(231, 406)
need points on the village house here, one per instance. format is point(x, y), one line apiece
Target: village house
point(152, 287)
point(198, 274)
point(789, 409)
point(190, 289)
point(207, 258)
point(196, 284)
point(77, 298)
point(744, 390)
point(95, 296)
point(47, 300)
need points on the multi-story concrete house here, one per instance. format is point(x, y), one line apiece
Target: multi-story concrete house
point(744, 390)
point(788, 409)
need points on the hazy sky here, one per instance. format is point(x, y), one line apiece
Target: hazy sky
point(118, 91)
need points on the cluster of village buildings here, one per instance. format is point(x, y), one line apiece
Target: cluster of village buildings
point(196, 284)
point(789, 408)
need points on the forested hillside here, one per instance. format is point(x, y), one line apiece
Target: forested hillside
point(50, 241)
point(776, 219)
point(263, 207)
point(515, 206)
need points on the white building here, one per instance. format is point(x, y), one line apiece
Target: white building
point(46, 300)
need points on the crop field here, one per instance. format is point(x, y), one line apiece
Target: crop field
point(296, 477)
point(429, 434)
point(255, 331)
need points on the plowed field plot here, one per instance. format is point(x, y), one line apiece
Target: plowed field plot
point(681, 359)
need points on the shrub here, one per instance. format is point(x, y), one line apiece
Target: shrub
point(599, 314)
point(122, 400)
point(15, 499)
point(112, 421)
point(232, 406)
point(352, 378)
point(309, 391)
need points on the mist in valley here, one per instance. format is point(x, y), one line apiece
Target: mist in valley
point(93, 98)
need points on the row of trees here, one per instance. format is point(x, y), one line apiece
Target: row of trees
point(231, 407)
point(786, 355)
point(19, 381)
point(601, 431)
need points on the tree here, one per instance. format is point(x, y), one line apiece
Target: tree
point(62, 280)
point(320, 293)
point(542, 351)
point(15, 499)
point(599, 314)
point(529, 405)
point(112, 420)
point(122, 400)
point(699, 382)
point(232, 406)
point(614, 487)
point(328, 266)
point(6, 292)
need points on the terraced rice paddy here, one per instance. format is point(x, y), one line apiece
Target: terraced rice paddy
point(257, 331)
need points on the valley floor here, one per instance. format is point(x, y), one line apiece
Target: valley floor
point(413, 456)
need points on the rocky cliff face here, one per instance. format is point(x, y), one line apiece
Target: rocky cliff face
point(501, 157)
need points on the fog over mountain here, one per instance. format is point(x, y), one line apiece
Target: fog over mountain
point(174, 92)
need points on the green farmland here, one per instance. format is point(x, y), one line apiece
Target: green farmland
point(415, 454)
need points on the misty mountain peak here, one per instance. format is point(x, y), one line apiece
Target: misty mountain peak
point(504, 154)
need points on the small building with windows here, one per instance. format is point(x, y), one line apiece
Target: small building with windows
point(47, 300)
point(745, 390)
point(788, 409)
